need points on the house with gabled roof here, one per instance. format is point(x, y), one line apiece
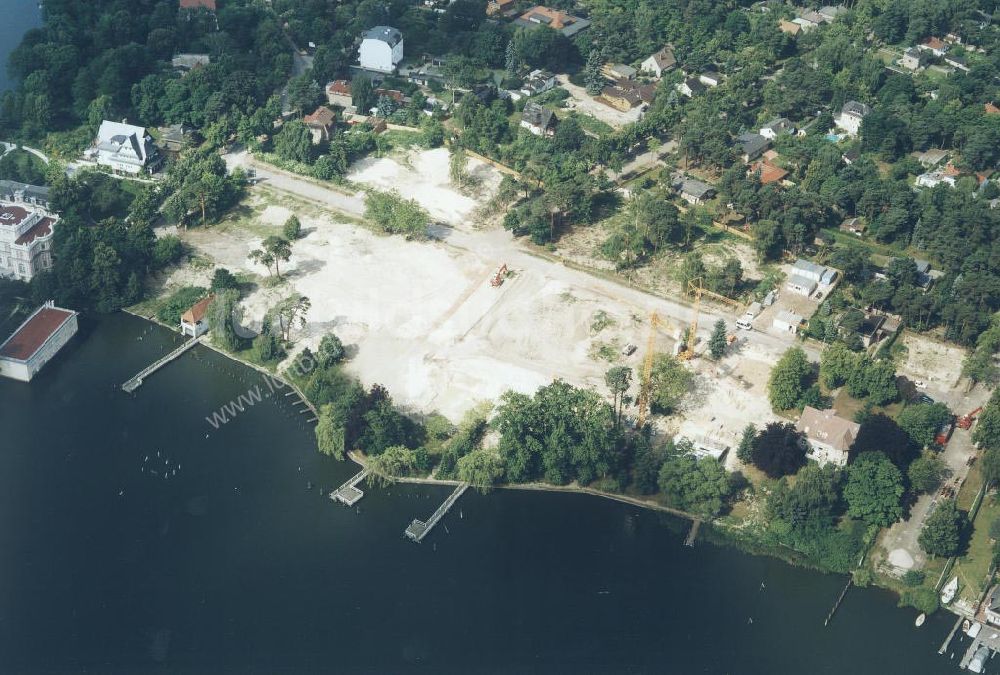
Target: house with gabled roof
point(661, 62)
point(829, 436)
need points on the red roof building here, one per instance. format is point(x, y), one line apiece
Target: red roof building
point(198, 4)
point(991, 109)
point(768, 173)
point(36, 341)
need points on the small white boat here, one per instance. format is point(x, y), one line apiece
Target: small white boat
point(920, 620)
point(949, 590)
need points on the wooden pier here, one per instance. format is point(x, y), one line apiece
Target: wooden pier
point(136, 381)
point(947, 640)
point(693, 534)
point(418, 529)
point(348, 493)
point(840, 599)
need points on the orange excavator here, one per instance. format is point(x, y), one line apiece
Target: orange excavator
point(966, 421)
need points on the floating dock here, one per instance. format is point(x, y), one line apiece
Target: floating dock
point(136, 381)
point(348, 493)
point(418, 529)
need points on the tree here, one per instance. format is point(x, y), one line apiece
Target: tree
point(990, 466)
point(811, 504)
point(262, 257)
point(292, 229)
point(836, 364)
point(717, 343)
point(222, 313)
point(279, 250)
point(294, 142)
point(223, 279)
point(987, 431)
point(458, 165)
point(362, 94)
point(779, 450)
point(790, 378)
point(669, 382)
point(874, 489)
point(265, 346)
point(942, 530)
point(386, 106)
point(393, 462)
point(592, 76)
point(619, 381)
point(395, 215)
point(926, 473)
point(700, 486)
point(921, 421)
point(744, 452)
point(482, 468)
point(290, 311)
point(330, 351)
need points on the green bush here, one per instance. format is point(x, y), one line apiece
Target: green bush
point(179, 302)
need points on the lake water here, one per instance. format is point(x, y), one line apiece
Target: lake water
point(233, 564)
point(16, 18)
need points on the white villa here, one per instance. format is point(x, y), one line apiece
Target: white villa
point(125, 148)
point(36, 341)
point(830, 437)
point(25, 237)
point(381, 49)
point(850, 117)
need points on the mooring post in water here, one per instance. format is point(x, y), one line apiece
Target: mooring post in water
point(839, 600)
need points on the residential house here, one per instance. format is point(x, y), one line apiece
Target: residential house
point(22, 193)
point(320, 124)
point(499, 7)
point(538, 119)
point(194, 321)
point(26, 230)
point(557, 20)
point(710, 78)
point(932, 179)
point(855, 226)
point(767, 172)
point(810, 19)
point(851, 156)
point(991, 607)
point(338, 93)
point(125, 148)
point(931, 158)
point(618, 71)
point(810, 270)
point(991, 109)
point(934, 45)
point(957, 62)
point(789, 27)
point(188, 62)
point(776, 127)
point(829, 436)
point(620, 97)
point(830, 13)
point(910, 59)
point(194, 5)
point(693, 191)
point(659, 63)
point(381, 49)
point(752, 146)
point(173, 137)
point(690, 86)
point(537, 82)
point(36, 341)
point(850, 117)
point(787, 322)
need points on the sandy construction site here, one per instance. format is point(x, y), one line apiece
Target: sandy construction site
point(422, 319)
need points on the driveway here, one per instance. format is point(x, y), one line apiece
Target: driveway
point(582, 101)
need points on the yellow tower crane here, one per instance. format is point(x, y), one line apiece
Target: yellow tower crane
point(696, 288)
point(647, 367)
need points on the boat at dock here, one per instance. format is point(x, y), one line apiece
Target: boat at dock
point(948, 592)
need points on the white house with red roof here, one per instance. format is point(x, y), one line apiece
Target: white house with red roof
point(25, 237)
point(36, 341)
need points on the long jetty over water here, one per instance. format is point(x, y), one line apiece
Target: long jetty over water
point(136, 381)
point(418, 529)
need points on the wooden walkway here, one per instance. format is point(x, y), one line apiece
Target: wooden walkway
point(349, 494)
point(418, 529)
point(136, 381)
point(693, 534)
